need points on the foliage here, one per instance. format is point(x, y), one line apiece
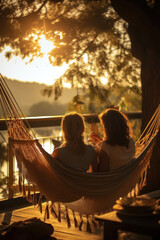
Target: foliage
point(88, 35)
point(100, 98)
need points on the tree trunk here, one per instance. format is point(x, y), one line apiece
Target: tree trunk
point(150, 79)
point(150, 76)
point(144, 32)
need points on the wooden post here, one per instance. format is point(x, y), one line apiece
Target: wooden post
point(10, 160)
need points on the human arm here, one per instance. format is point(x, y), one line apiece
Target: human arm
point(94, 138)
point(56, 154)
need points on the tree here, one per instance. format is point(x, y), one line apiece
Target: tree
point(143, 19)
point(95, 40)
point(93, 50)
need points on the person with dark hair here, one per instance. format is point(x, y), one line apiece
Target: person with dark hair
point(74, 152)
point(117, 148)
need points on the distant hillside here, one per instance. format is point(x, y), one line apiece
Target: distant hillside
point(30, 98)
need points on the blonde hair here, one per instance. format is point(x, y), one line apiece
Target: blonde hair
point(73, 127)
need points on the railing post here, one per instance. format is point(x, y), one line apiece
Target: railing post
point(10, 160)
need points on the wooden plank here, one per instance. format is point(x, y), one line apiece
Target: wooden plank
point(61, 231)
point(51, 121)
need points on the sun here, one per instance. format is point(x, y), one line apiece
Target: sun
point(46, 45)
point(39, 70)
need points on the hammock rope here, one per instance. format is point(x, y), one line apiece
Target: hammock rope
point(13, 112)
point(86, 193)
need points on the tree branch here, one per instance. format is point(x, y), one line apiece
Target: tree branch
point(43, 4)
point(143, 24)
point(87, 46)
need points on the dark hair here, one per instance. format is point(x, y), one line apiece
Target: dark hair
point(73, 128)
point(116, 127)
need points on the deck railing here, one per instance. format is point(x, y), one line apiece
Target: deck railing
point(51, 121)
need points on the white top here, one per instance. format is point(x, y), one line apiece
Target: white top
point(118, 155)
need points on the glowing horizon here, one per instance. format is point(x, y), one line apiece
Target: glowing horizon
point(39, 70)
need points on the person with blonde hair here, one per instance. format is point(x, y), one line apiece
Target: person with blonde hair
point(73, 152)
point(117, 147)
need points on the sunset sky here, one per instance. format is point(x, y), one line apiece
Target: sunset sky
point(40, 70)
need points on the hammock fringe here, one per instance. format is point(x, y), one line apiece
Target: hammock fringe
point(46, 214)
point(94, 223)
point(75, 220)
point(59, 212)
point(88, 226)
point(53, 212)
point(40, 203)
point(81, 222)
point(68, 218)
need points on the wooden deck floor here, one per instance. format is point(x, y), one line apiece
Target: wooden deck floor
point(61, 231)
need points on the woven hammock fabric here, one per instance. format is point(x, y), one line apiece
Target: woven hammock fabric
point(95, 192)
point(86, 193)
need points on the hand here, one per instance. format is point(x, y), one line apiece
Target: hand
point(93, 137)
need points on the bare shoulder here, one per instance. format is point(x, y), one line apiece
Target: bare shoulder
point(56, 153)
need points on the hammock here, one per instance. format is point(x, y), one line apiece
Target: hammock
point(87, 193)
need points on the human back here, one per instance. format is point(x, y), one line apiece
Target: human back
point(117, 147)
point(77, 161)
point(74, 152)
point(118, 155)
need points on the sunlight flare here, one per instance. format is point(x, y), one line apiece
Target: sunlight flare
point(67, 84)
point(46, 45)
point(104, 79)
point(39, 70)
point(85, 58)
